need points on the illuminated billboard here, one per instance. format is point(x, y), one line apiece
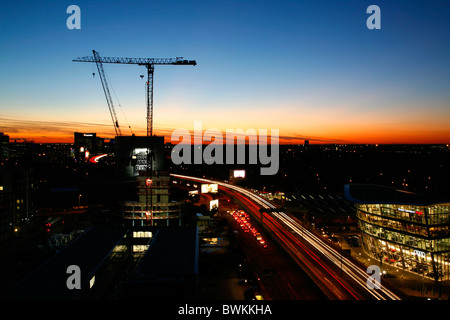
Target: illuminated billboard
point(214, 204)
point(209, 188)
point(239, 173)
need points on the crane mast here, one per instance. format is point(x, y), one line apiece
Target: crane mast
point(150, 70)
point(149, 63)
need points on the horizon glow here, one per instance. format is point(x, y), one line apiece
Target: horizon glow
point(312, 70)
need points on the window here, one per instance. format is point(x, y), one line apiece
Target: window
point(142, 234)
point(140, 248)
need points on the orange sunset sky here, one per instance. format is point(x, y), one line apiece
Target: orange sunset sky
point(312, 69)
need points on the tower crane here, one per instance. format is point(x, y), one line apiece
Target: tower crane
point(148, 63)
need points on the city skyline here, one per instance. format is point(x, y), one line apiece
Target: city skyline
point(312, 70)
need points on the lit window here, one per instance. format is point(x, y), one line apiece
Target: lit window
point(142, 234)
point(91, 282)
point(140, 248)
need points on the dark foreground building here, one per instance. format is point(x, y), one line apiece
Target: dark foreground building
point(118, 263)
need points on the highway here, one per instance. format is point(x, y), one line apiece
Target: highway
point(337, 276)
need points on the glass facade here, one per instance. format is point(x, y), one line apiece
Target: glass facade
point(410, 237)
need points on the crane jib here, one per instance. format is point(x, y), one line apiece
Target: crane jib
point(139, 61)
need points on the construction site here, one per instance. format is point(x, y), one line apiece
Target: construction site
point(141, 157)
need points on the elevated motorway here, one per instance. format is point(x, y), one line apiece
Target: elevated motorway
point(338, 277)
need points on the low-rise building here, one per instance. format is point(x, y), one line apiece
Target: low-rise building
point(404, 229)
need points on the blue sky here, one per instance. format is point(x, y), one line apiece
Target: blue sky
point(309, 68)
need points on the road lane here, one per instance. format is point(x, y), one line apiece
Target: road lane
point(309, 250)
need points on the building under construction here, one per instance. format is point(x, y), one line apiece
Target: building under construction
point(152, 205)
point(142, 158)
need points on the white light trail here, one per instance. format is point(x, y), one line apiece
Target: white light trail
point(352, 270)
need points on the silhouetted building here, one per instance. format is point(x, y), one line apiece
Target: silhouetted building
point(16, 198)
point(87, 145)
point(4, 147)
point(118, 263)
point(169, 269)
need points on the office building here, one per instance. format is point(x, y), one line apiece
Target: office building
point(4, 147)
point(87, 145)
point(404, 229)
point(17, 198)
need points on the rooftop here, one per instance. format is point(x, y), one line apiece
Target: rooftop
point(326, 205)
point(178, 261)
point(173, 253)
point(88, 251)
point(370, 193)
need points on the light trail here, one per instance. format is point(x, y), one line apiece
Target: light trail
point(96, 158)
point(294, 240)
point(352, 270)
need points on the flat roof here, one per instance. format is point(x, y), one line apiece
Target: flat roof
point(172, 252)
point(371, 193)
point(87, 251)
point(326, 205)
